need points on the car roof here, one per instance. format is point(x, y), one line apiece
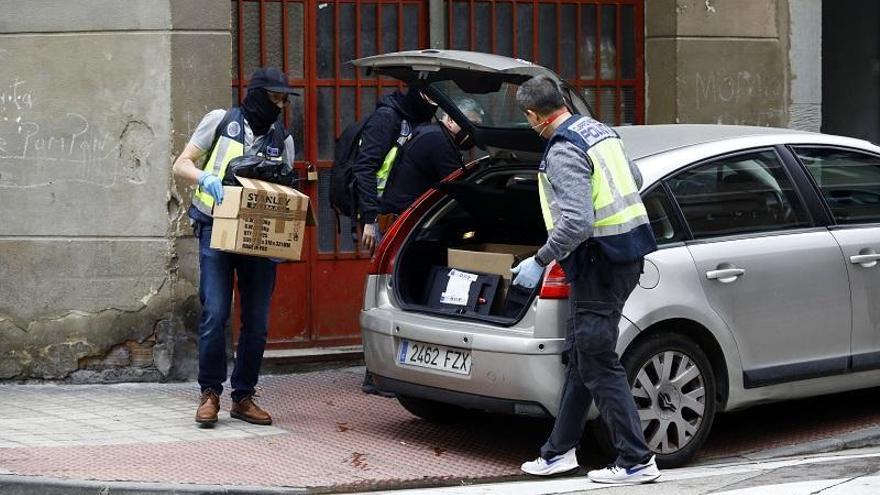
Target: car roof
point(659, 150)
point(646, 140)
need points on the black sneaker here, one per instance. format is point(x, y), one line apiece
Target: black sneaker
point(369, 387)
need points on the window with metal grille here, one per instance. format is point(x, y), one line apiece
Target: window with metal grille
point(271, 33)
point(313, 43)
point(594, 44)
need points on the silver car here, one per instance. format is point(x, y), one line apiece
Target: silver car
point(765, 287)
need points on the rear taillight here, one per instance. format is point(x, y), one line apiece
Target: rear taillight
point(555, 286)
point(383, 258)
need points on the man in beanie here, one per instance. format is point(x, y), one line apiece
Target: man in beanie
point(255, 127)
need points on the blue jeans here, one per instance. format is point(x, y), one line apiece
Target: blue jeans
point(256, 281)
point(594, 372)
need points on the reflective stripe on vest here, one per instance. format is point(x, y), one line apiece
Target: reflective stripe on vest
point(617, 205)
point(224, 151)
point(391, 157)
point(544, 192)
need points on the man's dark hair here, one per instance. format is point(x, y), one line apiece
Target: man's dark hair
point(540, 95)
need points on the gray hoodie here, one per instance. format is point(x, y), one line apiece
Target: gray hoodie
point(571, 198)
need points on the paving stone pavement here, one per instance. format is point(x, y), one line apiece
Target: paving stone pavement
point(327, 436)
point(62, 416)
point(326, 433)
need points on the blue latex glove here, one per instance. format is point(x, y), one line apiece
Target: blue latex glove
point(528, 273)
point(212, 185)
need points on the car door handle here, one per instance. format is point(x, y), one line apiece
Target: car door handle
point(866, 260)
point(725, 275)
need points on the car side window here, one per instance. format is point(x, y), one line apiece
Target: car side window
point(664, 223)
point(737, 195)
point(849, 181)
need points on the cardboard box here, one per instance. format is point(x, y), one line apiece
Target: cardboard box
point(261, 219)
point(490, 258)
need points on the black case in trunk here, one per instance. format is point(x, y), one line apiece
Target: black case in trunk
point(480, 296)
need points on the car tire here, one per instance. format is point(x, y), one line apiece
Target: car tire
point(432, 411)
point(665, 407)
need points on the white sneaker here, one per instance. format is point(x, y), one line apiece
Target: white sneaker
point(640, 473)
point(562, 463)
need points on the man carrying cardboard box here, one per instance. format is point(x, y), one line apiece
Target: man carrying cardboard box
point(255, 127)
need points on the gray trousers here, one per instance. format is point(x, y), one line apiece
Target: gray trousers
point(594, 370)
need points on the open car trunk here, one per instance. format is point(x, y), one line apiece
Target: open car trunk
point(495, 211)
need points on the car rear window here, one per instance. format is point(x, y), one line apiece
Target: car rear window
point(664, 222)
point(499, 107)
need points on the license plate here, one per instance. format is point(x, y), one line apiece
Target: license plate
point(435, 357)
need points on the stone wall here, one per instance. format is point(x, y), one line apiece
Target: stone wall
point(717, 62)
point(98, 96)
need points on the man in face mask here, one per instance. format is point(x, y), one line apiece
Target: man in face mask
point(253, 128)
point(598, 231)
point(396, 116)
point(433, 152)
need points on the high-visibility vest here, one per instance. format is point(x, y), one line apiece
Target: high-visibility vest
point(620, 218)
point(391, 157)
point(228, 145)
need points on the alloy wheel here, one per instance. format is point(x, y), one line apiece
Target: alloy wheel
point(670, 394)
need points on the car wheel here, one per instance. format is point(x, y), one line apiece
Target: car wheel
point(432, 411)
point(674, 390)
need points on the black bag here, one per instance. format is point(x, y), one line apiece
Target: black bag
point(343, 190)
point(260, 168)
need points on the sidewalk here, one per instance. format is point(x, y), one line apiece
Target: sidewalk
point(327, 437)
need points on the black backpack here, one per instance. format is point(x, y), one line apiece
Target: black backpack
point(343, 190)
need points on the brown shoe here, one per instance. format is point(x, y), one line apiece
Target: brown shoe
point(209, 406)
point(247, 410)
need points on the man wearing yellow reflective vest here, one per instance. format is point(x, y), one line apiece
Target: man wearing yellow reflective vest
point(598, 230)
point(255, 127)
point(387, 128)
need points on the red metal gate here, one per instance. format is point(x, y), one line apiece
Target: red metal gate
point(316, 302)
point(597, 45)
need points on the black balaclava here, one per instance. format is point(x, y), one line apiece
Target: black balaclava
point(421, 109)
point(259, 110)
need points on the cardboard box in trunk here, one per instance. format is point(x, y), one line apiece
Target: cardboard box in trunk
point(490, 258)
point(261, 219)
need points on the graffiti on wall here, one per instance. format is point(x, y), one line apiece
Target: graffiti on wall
point(723, 96)
point(39, 146)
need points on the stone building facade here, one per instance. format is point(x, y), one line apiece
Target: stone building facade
point(98, 272)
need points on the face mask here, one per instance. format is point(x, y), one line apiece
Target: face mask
point(541, 127)
point(260, 111)
point(464, 141)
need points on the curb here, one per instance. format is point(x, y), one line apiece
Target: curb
point(868, 437)
point(11, 484)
